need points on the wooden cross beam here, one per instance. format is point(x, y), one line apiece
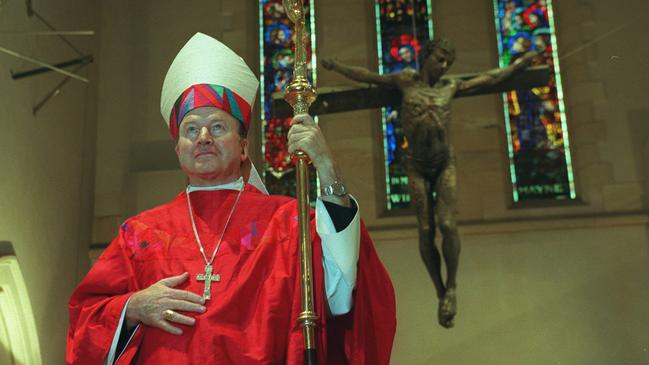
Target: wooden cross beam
point(338, 99)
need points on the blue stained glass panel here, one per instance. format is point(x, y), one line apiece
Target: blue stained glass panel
point(537, 134)
point(276, 58)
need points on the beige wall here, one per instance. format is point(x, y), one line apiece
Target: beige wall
point(564, 296)
point(609, 103)
point(47, 163)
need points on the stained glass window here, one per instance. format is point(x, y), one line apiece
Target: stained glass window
point(402, 26)
point(537, 134)
point(276, 58)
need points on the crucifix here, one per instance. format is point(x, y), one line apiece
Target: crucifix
point(425, 97)
point(207, 277)
point(346, 98)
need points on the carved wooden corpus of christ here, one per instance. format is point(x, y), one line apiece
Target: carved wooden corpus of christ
point(425, 97)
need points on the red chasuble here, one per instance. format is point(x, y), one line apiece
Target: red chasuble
point(252, 315)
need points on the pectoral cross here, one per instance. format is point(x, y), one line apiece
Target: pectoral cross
point(208, 278)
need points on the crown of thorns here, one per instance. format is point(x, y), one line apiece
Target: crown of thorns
point(438, 43)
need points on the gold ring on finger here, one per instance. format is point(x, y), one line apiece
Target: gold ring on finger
point(168, 314)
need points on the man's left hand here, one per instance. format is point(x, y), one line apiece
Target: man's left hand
point(305, 135)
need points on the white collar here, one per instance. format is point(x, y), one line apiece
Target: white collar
point(235, 185)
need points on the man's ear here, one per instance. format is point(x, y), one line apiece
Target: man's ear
point(245, 165)
point(176, 148)
point(244, 149)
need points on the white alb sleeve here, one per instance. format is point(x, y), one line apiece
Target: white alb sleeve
point(112, 355)
point(339, 257)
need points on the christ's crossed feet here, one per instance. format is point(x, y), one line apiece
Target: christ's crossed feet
point(447, 309)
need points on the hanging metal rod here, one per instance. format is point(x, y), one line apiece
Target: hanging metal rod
point(55, 91)
point(44, 64)
point(67, 41)
point(57, 33)
point(30, 8)
point(23, 74)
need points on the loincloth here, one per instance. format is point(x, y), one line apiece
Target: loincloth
point(431, 167)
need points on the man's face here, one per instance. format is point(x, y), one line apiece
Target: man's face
point(438, 63)
point(209, 148)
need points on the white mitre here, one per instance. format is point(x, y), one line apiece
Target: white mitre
point(205, 60)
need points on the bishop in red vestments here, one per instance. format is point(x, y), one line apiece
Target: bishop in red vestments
point(212, 277)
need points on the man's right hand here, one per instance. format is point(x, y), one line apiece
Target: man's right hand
point(149, 305)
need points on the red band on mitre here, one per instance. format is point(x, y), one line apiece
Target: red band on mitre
point(202, 95)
